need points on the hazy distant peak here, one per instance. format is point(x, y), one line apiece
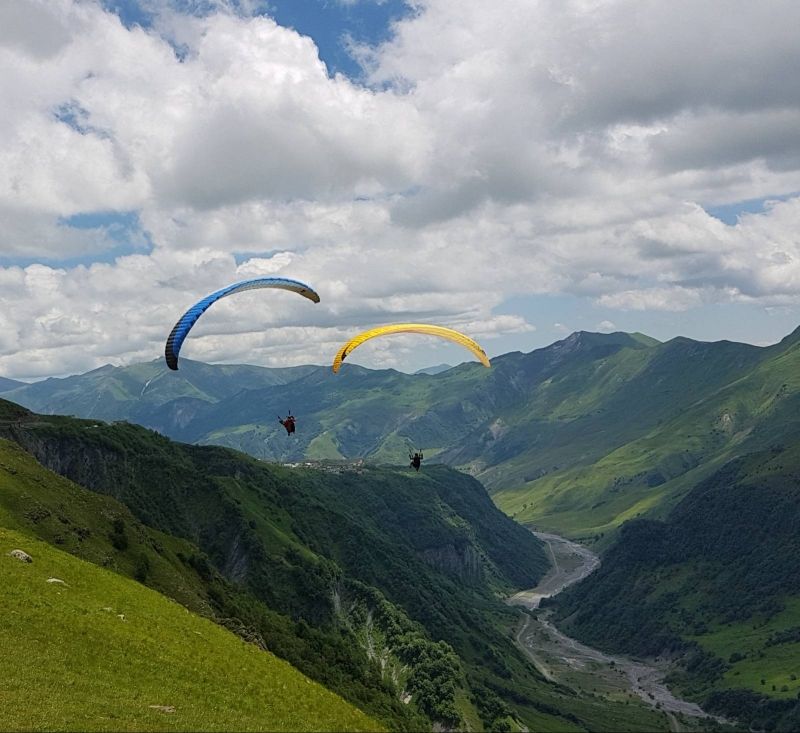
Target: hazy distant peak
point(6, 385)
point(431, 370)
point(105, 369)
point(792, 338)
point(588, 339)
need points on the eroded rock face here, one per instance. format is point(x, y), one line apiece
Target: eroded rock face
point(237, 561)
point(462, 562)
point(21, 555)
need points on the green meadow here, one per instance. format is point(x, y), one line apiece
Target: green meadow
point(87, 649)
point(763, 654)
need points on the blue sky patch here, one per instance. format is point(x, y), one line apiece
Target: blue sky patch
point(119, 225)
point(730, 213)
point(121, 229)
point(73, 115)
point(130, 12)
point(329, 23)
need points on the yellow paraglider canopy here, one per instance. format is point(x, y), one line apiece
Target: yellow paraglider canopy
point(440, 331)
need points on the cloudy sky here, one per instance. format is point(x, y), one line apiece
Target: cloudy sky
point(517, 170)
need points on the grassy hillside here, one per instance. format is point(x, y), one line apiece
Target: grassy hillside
point(649, 473)
point(93, 527)
point(98, 528)
point(715, 583)
point(101, 652)
point(376, 581)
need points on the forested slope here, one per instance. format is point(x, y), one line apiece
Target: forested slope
point(716, 584)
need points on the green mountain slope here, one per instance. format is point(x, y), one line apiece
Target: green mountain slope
point(98, 528)
point(376, 581)
point(93, 527)
point(137, 392)
point(98, 651)
point(576, 437)
point(715, 583)
point(652, 471)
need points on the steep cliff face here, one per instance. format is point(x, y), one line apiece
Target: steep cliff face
point(237, 560)
point(461, 562)
point(88, 465)
point(162, 491)
point(174, 417)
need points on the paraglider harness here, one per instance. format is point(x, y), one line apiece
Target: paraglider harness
point(288, 423)
point(416, 459)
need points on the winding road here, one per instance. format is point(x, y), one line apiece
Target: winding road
point(563, 659)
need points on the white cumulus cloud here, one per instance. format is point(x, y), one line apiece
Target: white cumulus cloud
point(496, 150)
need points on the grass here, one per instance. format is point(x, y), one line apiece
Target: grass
point(775, 664)
point(40, 503)
point(323, 447)
point(97, 654)
point(468, 712)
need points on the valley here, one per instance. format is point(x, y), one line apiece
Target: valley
point(564, 660)
point(424, 366)
point(678, 462)
point(379, 583)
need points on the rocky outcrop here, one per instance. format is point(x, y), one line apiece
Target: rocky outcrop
point(174, 417)
point(462, 562)
point(84, 464)
point(101, 467)
point(237, 560)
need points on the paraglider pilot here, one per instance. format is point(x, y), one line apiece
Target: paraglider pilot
point(288, 423)
point(416, 460)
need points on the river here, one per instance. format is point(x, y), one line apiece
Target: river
point(563, 659)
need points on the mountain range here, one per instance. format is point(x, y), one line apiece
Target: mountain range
point(576, 437)
point(7, 385)
point(680, 461)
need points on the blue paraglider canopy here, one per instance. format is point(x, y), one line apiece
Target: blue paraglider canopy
point(184, 325)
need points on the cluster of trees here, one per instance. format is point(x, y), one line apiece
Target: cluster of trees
point(436, 673)
point(786, 636)
point(760, 712)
